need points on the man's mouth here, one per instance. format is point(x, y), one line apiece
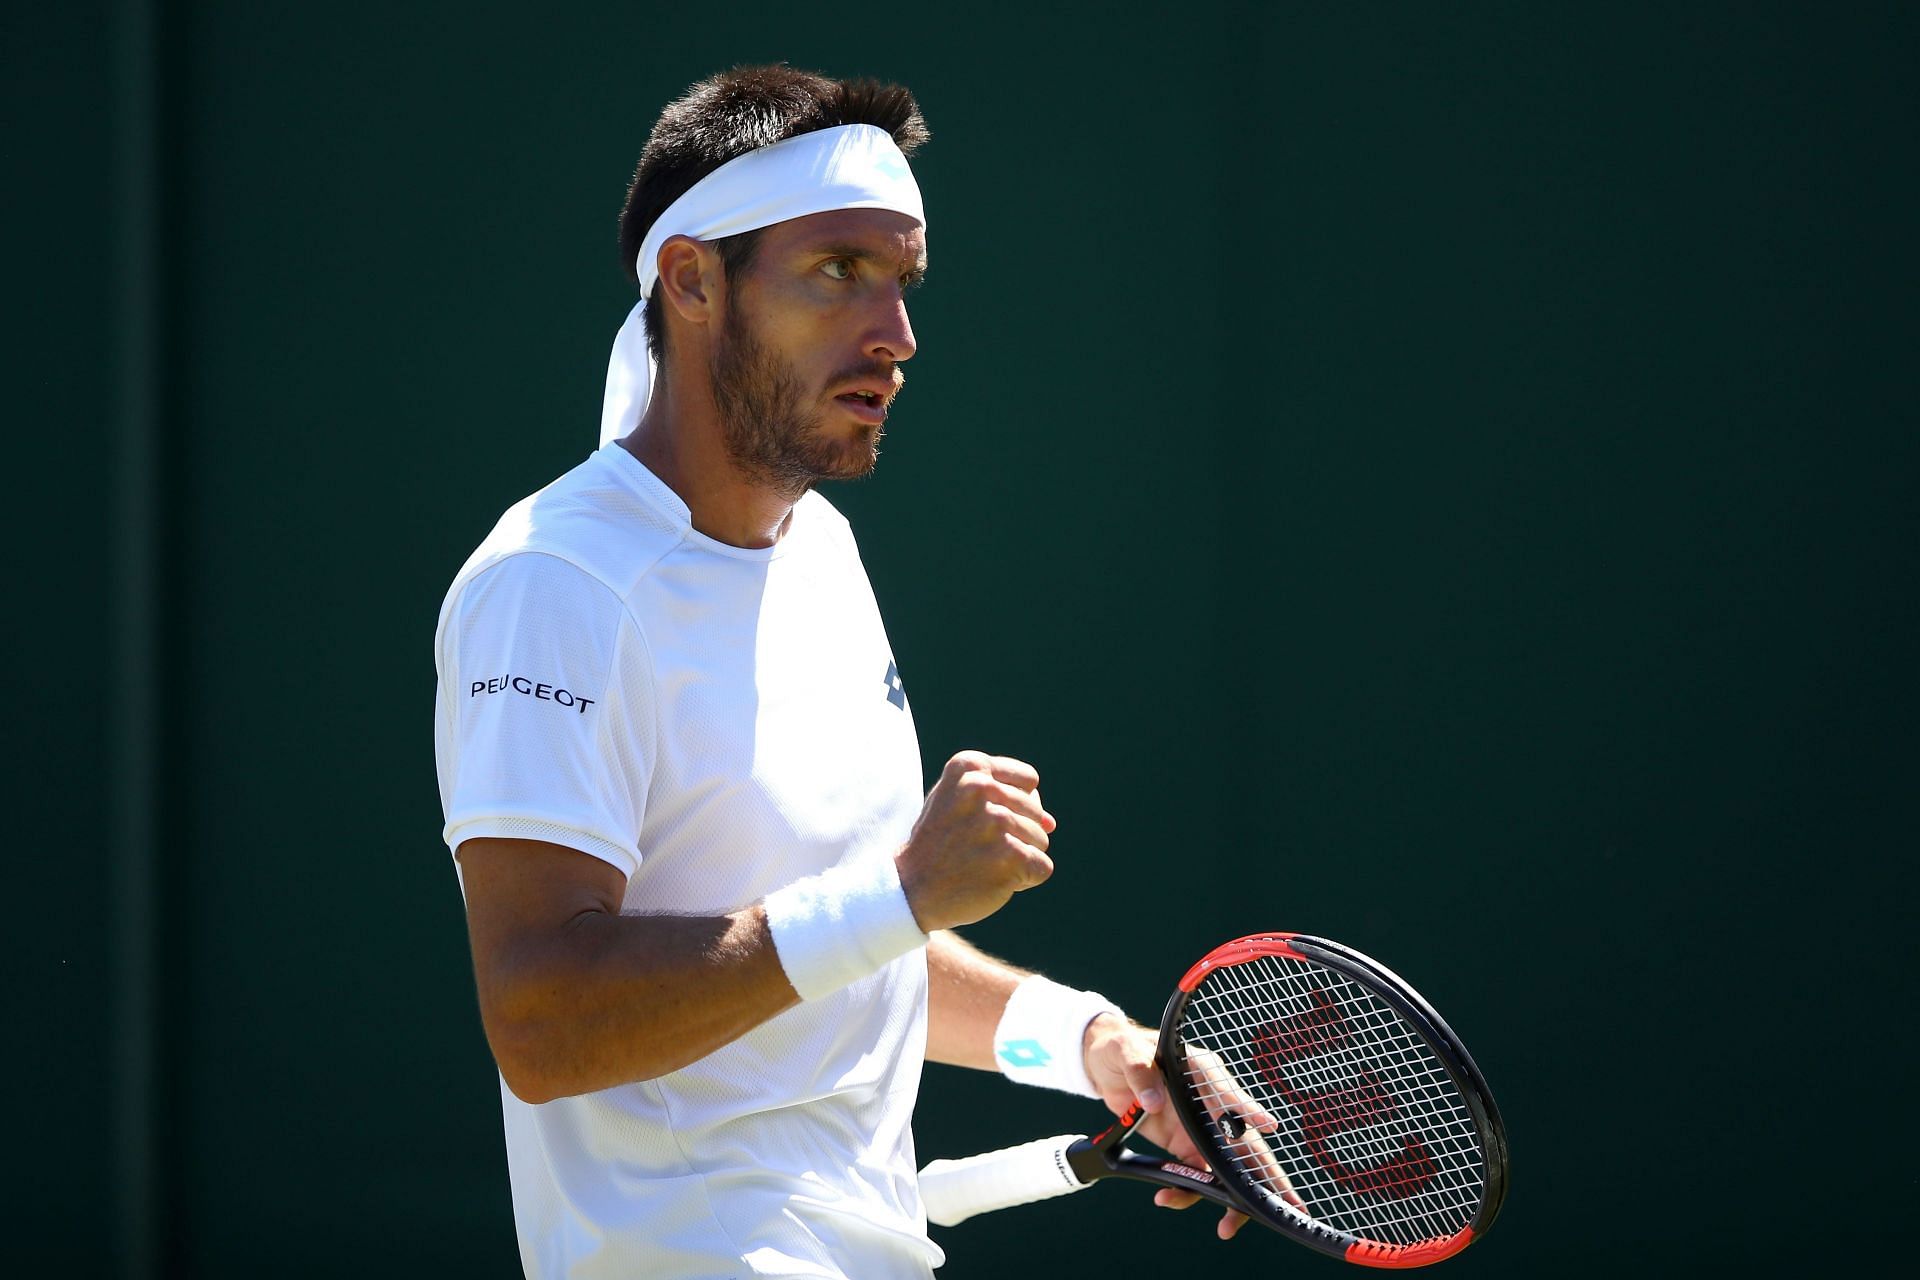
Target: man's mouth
point(868, 406)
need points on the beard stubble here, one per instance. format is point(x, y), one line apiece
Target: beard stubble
point(770, 432)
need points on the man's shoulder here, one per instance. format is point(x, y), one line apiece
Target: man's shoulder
point(591, 518)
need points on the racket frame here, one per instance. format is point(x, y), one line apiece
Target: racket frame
point(1272, 1212)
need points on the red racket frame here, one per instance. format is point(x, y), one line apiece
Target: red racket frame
point(1425, 1022)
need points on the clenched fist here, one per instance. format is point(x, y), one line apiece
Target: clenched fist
point(981, 838)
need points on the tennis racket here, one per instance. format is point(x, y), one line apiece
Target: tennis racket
point(1333, 1104)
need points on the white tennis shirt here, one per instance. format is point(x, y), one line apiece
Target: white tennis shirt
point(716, 722)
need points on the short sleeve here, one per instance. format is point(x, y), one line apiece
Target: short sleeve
point(545, 722)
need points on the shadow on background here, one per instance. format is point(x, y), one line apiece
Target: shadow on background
point(1444, 482)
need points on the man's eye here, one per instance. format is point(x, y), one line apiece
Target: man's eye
point(838, 268)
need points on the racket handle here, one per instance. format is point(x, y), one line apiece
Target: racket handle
point(955, 1190)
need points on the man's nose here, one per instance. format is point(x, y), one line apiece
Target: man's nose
point(892, 336)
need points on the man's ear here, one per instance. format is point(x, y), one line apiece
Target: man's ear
point(690, 276)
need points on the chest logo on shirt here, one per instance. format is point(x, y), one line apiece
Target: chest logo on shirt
point(896, 691)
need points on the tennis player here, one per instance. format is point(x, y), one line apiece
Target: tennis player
point(710, 907)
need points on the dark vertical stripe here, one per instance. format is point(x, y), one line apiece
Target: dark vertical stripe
point(1241, 487)
point(136, 605)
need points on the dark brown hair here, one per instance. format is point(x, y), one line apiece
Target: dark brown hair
point(728, 115)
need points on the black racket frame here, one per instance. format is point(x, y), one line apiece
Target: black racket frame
point(1237, 1193)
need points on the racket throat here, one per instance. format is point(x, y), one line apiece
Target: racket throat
point(1099, 1156)
point(1103, 1156)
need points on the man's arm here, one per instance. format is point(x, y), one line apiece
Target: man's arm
point(967, 991)
point(576, 997)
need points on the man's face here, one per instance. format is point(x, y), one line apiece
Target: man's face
point(807, 357)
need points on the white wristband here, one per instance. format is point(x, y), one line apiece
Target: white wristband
point(1041, 1034)
point(841, 925)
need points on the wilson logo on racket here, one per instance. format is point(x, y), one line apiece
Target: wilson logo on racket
point(1318, 1031)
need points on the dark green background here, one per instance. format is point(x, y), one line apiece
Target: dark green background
point(1441, 480)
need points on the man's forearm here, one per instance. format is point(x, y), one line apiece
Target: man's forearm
point(967, 991)
point(612, 999)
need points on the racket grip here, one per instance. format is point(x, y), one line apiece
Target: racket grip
point(955, 1190)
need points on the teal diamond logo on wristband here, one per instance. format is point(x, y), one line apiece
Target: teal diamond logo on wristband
point(1024, 1053)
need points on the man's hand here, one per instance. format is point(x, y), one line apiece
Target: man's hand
point(981, 838)
point(1120, 1064)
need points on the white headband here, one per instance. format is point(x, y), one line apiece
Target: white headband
point(854, 166)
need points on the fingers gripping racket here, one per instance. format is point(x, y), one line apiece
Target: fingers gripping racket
point(1333, 1104)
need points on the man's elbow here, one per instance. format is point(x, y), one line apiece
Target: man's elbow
point(523, 1052)
point(532, 1090)
point(538, 1078)
point(541, 1058)
point(528, 1035)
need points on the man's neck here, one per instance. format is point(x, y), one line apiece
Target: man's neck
point(680, 440)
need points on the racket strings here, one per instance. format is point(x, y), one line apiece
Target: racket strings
point(1322, 1063)
point(1371, 1131)
point(1348, 1154)
point(1347, 1113)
